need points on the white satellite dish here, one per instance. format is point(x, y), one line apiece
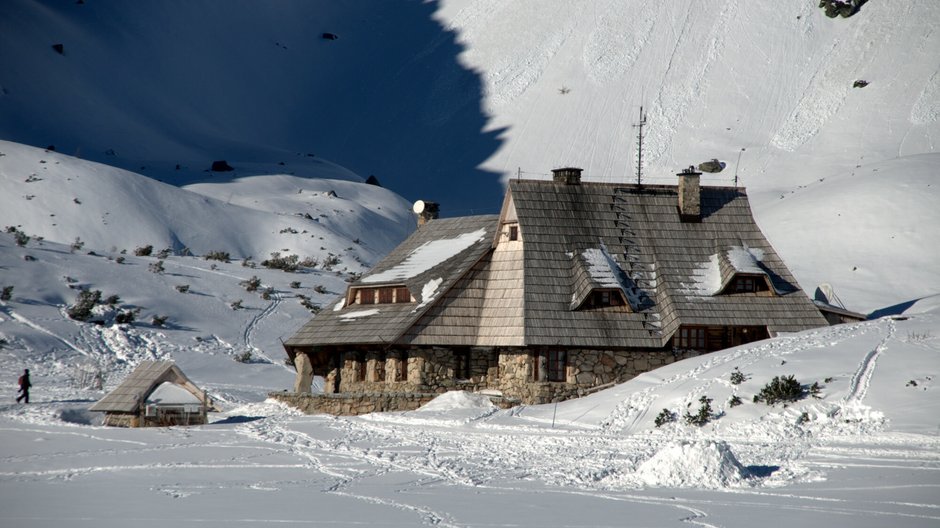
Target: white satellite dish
point(418, 207)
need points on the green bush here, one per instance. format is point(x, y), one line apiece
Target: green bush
point(780, 389)
point(737, 377)
point(665, 416)
point(735, 401)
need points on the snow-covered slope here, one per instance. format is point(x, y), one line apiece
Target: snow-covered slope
point(440, 99)
point(62, 198)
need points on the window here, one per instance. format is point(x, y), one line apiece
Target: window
point(385, 295)
point(557, 365)
point(690, 338)
point(360, 367)
point(367, 296)
point(402, 295)
point(403, 367)
point(745, 284)
point(601, 298)
point(462, 364)
point(513, 232)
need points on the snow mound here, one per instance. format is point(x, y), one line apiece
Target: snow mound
point(705, 464)
point(458, 400)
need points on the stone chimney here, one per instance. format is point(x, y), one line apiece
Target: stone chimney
point(567, 175)
point(426, 211)
point(690, 195)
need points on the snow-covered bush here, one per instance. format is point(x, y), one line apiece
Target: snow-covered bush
point(735, 401)
point(289, 263)
point(144, 251)
point(7, 293)
point(704, 414)
point(737, 377)
point(222, 256)
point(158, 320)
point(244, 357)
point(157, 267)
point(182, 288)
point(86, 302)
point(251, 284)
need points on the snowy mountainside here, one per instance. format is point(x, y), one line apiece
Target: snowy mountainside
point(61, 198)
point(874, 232)
point(149, 87)
point(441, 99)
point(203, 331)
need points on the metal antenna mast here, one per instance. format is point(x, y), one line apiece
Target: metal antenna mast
point(639, 152)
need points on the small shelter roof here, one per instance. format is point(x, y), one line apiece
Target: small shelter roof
point(141, 385)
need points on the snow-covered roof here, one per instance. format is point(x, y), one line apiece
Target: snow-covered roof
point(140, 387)
point(577, 239)
point(428, 263)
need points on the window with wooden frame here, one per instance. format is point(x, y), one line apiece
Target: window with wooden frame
point(360, 367)
point(601, 298)
point(386, 295)
point(690, 338)
point(402, 295)
point(403, 367)
point(366, 295)
point(747, 284)
point(557, 365)
point(461, 364)
point(513, 232)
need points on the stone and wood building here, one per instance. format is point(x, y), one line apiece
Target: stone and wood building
point(573, 286)
point(156, 393)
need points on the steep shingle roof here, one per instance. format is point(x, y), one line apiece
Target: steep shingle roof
point(428, 263)
point(575, 239)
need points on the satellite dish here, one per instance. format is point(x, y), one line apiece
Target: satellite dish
point(418, 207)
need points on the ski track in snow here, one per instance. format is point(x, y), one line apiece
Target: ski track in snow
point(255, 321)
point(861, 380)
point(830, 85)
point(679, 90)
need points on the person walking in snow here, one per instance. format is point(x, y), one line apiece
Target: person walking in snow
point(24, 387)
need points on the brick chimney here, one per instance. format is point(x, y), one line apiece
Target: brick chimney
point(690, 196)
point(426, 211)
point(567, 175)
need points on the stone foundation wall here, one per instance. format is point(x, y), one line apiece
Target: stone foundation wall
point(372, 381)
point(349, 404)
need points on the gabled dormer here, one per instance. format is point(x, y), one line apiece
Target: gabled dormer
point(742, 271)
point(598, 281)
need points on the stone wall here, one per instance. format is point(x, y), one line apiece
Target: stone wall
point(349, 404)
point(372, 381)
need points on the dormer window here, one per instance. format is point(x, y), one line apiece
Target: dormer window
point(601, 298)
point(381, 295)
point(749, 284)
